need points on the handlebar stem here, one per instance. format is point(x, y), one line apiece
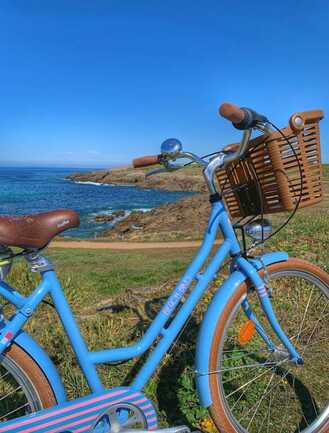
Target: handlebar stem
point(242, 148)
point(223, 159)
point(210, 170)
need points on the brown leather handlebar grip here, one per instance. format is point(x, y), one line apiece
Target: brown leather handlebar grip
point(145, 161)
point(231, 112)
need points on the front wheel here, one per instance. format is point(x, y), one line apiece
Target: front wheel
point(256, 391)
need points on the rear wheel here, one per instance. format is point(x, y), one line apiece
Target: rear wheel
point(256, 391)
point(24, 388)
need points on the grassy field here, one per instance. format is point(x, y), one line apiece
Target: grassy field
point(115, 296)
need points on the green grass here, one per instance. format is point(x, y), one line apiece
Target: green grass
point(104, 272)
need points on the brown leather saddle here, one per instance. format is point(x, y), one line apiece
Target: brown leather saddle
point(36, 231)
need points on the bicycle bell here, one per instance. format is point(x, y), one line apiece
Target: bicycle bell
point(259, 229)
point(171, 148)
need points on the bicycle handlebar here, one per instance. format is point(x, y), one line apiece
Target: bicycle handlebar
point(146, 161)
point(242, 118)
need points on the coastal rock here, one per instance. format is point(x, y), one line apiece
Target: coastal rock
point(93, 176)
point(185, 219)
point(189, 179)
point(109, 217)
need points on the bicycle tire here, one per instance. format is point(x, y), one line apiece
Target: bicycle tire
point(23, 384)
point(224, 416)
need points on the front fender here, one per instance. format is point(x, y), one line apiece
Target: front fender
point(209, 322)
point(27, 343)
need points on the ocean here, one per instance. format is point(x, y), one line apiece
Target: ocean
point(31, 190)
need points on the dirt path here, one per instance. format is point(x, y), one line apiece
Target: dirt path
point(124, 245)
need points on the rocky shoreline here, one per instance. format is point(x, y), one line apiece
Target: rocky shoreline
point(184, 219)
point(189, 179)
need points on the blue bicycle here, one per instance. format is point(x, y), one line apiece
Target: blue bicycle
point(261, 361)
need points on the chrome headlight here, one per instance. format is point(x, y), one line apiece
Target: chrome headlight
point(259, 229)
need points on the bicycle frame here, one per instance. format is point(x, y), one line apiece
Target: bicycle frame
point(159, 327)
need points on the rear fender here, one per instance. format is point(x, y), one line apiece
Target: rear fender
point(30, 346)
point(208, 326)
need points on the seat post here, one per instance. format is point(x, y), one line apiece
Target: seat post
point(39, 263)
point(5, 261)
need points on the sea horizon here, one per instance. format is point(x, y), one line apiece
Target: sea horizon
point(50, 166)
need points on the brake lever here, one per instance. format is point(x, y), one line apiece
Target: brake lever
point(264, 127)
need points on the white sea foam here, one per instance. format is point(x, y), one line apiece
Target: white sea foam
point(102, 212)
point(143, 209)
point(88, 182)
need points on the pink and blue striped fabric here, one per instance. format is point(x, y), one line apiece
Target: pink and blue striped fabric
point(79, 416)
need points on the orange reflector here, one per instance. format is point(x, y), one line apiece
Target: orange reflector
point(246, 332)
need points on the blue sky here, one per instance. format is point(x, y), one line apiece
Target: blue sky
point(92, 82)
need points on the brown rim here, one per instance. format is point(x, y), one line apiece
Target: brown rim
point(35, 375)
point(217, 410)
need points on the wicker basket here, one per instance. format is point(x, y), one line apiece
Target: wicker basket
point(271, 169)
